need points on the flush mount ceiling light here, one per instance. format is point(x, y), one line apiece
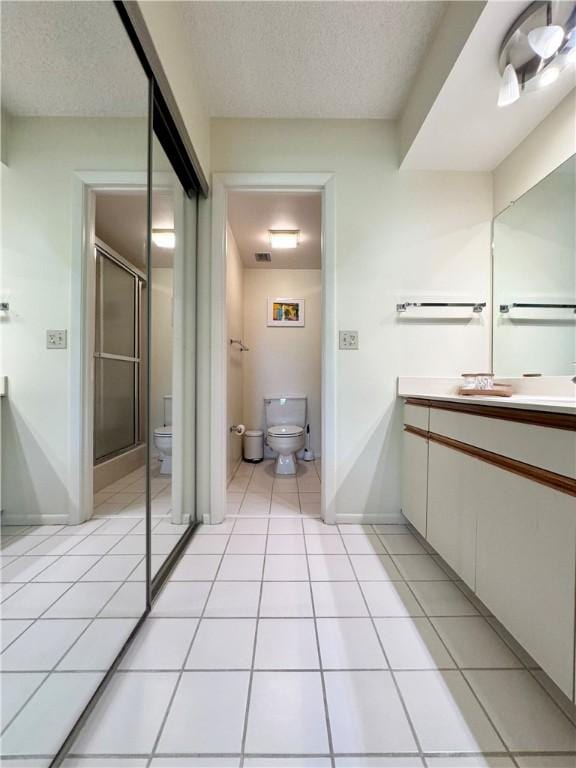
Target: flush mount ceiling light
point(538, 46)
point(164, 238)
point(284, 238)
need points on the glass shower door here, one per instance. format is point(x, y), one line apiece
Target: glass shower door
point(117, 363)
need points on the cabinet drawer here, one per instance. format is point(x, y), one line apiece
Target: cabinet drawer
point(525, 566)
point(546, 447)
point(416, 416)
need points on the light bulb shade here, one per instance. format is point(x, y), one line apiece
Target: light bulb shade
point(545, 41)
point(164, 238)
point(284, 238)
point(509, 87)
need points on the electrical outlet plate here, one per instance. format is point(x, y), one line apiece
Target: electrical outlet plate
point(348, 339)
point(56, 339)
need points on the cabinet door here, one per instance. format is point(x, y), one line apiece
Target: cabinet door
point(452, 508)
point(526, 566)
point(415, 480)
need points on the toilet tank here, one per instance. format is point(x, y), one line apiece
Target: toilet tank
point(287, 409)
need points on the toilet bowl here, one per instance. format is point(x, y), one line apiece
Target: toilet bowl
point(285, 440)
point(163, 443)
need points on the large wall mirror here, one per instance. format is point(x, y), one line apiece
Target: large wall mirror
point(98, 246)
point(534, 262)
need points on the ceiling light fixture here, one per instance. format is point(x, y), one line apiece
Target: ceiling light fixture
point(164, 238)
point(546, 40)
point(284, 239)
point(509, 87)
point(537, 47)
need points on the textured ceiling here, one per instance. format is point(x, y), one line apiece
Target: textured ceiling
point(252, 214)
point(69, 59)
point(308, 59)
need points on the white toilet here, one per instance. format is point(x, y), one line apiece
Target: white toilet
point(285, 425)
point(163, 438)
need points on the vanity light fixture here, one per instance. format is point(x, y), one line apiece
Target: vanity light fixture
point(164, 238)
point(284, 239)
point(537, 47)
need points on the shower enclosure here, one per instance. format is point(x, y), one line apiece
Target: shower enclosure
point(118, 356)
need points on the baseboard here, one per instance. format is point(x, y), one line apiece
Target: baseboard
point(397, 519)
point(34, 519)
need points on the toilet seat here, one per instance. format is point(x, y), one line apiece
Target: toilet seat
point(163, 431)
point(285, 430)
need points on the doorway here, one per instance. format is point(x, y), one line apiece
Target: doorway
point(234, 195)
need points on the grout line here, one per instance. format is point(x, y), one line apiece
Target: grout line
point(253, 661)
point(320, 662)
point(187, 655)
point(392, 675)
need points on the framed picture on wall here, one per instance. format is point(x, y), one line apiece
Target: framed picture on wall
point(285, 313)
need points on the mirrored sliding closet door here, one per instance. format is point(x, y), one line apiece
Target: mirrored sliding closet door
point(75, 351)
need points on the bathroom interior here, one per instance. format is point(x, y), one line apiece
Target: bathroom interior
point(287, 385)
point(274, 379)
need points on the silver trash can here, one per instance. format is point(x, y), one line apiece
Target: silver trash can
point(253, 445)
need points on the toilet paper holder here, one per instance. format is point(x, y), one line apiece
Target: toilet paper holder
point(238, 429)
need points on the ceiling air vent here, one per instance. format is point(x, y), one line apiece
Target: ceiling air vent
point(262, 257)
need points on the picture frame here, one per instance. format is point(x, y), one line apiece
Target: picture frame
point(285, 312)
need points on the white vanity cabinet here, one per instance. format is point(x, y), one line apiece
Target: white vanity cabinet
point(415, 480)
point(453, 485)
point(526, 566)
point(494, 495)
point(415, 466)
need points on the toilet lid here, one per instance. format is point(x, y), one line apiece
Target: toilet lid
point(285, 430)
point(163, 431)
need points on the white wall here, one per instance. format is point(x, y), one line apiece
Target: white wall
point(235, 318)
point(37, 267)
point(162, 343)
point(282, 360)
point(396, 233)
point(547, 147)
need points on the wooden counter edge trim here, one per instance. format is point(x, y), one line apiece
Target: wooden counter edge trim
point(524, 416)
point(552, 480)
point(417, 431)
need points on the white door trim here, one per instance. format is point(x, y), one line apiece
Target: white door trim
point(222, 184)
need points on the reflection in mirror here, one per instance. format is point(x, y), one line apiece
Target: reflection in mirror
point(534, 253)
point(74, 143)
point(172, 259)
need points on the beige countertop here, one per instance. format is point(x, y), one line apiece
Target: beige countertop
point(562, 401)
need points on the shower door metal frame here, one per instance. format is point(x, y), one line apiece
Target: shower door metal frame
point(104, 251)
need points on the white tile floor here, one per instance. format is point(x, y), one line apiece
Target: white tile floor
point(70, 598)
point(256, 491)
point(277, 642)
point(307, 645)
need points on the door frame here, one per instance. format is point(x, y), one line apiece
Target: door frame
point(81, 333)
point(222, 185)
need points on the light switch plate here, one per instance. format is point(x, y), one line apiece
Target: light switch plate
point(348, 339)
point(56, 339)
